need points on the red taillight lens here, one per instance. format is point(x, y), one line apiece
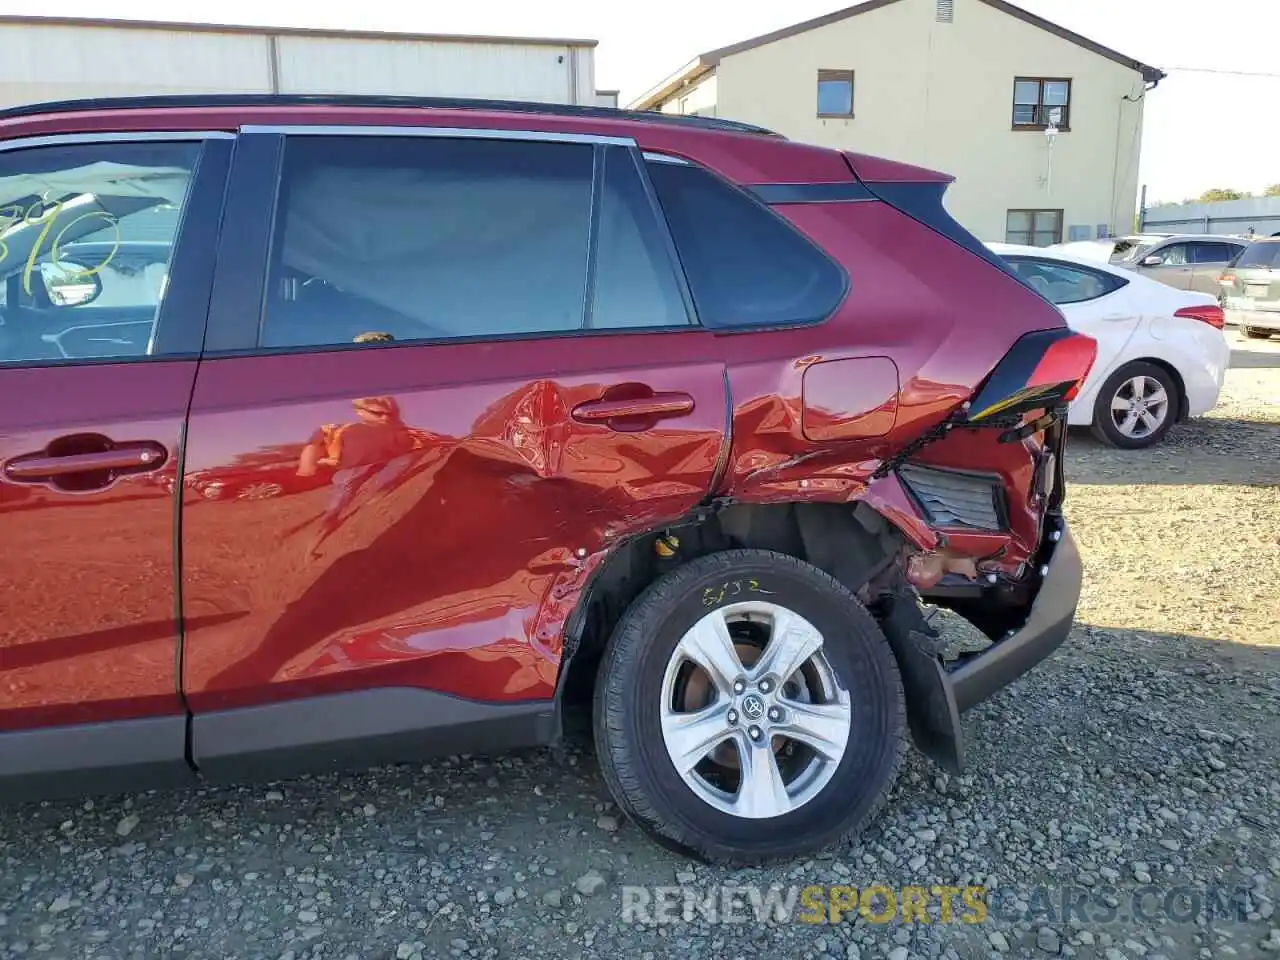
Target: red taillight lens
point(1068, 359)
point(1209, 313)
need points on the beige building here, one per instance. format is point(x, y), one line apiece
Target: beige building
point(1041, 127)
point(67, 58)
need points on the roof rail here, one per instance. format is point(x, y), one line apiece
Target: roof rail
point(356, 100)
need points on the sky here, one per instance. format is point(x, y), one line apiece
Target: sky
point(1207, 125)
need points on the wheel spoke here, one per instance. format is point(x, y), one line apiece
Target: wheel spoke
point(1130, 423)
point(691, 736)
point(1150, 420)
point(762, 792)
point(1138, 386)
point(792, 641)
point(822, 726)
point(709, 645)
point(1157, 395)
point(1119, 403)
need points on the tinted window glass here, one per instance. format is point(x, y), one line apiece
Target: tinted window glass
point(635, 280)
point(1063, 283)
point(745, 266)
point(1259, 255)
point(1211, 252)
point(423, 237)
point(86, 236)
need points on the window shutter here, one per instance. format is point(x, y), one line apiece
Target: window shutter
point(946, 11)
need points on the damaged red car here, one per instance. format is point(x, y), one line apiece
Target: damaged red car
point(424, 423)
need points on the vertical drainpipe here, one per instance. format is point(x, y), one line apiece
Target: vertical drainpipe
point(273, 51)
point(572, 57)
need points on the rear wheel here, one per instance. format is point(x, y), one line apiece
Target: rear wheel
point(748, 707)
point(1136, 406)
point(1253, 333)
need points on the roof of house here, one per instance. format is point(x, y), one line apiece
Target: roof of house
point(704, 63)
point(184, 27)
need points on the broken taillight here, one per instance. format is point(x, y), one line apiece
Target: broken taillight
point(1069, 359)
point(1209, 313)
point(1042, 369)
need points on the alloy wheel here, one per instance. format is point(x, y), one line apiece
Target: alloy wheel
point(753, 716)
point(1139, 406)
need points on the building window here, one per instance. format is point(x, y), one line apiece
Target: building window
point(1033, 228)
point(835, 93)
point(1040, 102)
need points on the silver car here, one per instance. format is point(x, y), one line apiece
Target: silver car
point(1185, 261)
point(1251, 289)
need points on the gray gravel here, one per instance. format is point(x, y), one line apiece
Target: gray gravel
point(1143, 756)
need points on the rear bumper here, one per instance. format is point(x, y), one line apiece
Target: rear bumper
point(1257, 319)
point(1047, 626)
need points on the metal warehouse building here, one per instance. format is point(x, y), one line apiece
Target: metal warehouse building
point(48, 58)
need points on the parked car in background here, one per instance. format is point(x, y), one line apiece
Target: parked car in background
point(1162, 356)
point(1251, 289)
point(1184, 261)
point(419, 426)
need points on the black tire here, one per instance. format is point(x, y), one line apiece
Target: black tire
point(1104, 426)
point(627, 717)
point(1254, 333)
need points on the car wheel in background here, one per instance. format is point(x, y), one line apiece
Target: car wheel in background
point(748, 707)
point(1136, 406)
point(1253, 333)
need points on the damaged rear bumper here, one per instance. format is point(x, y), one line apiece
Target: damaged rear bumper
point(1048, 623)
point(936, 695)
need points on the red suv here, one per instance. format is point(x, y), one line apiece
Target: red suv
point(345, 430)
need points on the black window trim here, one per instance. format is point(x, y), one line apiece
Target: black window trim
point(1115, 282)
point(239, 310)
point(181, 323)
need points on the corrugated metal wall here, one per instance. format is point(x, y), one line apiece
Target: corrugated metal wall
point(1259, 214)
point(61, 62)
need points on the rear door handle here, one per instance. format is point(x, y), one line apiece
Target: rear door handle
point(637, 413)
point(108, 464)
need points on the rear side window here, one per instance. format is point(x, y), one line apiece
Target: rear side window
point(1063, 283)
point(1212, 252)
point(1259, 255)
point(745, 266)
point(429, 238)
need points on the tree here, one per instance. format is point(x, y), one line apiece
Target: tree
point(1218, 193)
point(1272, 191)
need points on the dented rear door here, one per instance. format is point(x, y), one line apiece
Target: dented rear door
point(457, 371)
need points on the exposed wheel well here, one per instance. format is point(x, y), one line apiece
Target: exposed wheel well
point(850, 542)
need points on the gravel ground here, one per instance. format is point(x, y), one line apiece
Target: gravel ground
point(1142, 757)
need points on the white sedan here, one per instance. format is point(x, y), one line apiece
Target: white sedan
point(1162, 356)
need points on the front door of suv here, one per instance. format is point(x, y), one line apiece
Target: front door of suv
point(450, 372)
point(106, 261)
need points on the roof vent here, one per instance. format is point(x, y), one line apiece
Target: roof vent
point(946, 11)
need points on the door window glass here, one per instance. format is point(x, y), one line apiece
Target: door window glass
point(429, 238)
point(86, 238)
point(1211, 252)
point(1174, 255)
point(635, 280)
